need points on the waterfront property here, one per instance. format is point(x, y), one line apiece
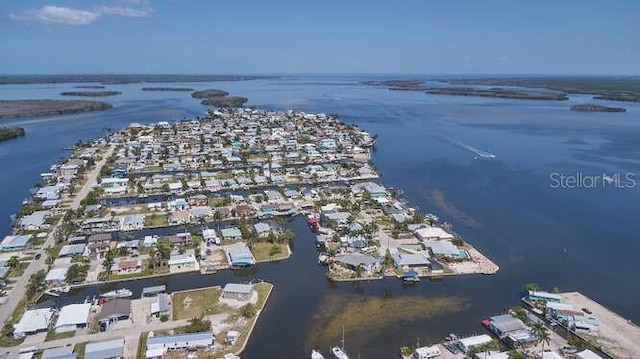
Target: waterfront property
point(178, 341)
point(241, 292)
point(72, 317)
point(108, 349)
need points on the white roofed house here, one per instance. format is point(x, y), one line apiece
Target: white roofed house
point(114, 185)
point(466, 344)
point(14, 243)
point(72, 317)
point(445, 249)
point(131, 222)
point(35, 221)
point(110, 349)
point(432, 233)
point(210, 236)
point(33, 321)
point(354, 260)
point(56, 276)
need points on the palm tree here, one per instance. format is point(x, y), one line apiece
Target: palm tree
point(542, 333)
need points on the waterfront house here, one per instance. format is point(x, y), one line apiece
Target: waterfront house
point(150, 241)
point(114, 185)
point(114, 310)
point(131, 222)
point(341, 218)
point(231, 233)
point(178, 204)
point(239, 255)
point(581, 323)
point(181, 239)
point(56, 276)
point(444, 248)
point(538, 296)
point(587, 354)
point(241, 292)
point(35, 221)
point(354, 260)
point(179, 341)
point(244, 210)
point(201, 212)
point(410, 260)
point(153, 291)
point(210, 236)
point(33, 321)
point(432, 233)
point(91, 210)
point(14, 243)
point(183, 263)
point(198, 200)
point(426, 352)
point(263, 229)
point(160, 304)
point(110, 349)
point(179, 217)
point(374, 189)
point(129, 266)
point(72, 317)
point(512, 331)
point(466, 344)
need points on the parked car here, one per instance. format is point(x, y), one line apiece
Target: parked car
point(586, 310)
point(38, 256)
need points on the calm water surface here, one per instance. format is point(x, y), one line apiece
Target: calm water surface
point(573, 239)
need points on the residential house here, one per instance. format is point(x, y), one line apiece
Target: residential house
point(231, 233)
point(160, 304)
point(72, 317)
point(354, 260)
point(179, 217)
point(178, 341)
point(14, 243)
point(131, 222)
point(239, 255)
point(128, 266)
point(114, 310)
point(183, 263)
point(33, 321)
point(114, 185)
point(210, 236)
point(181, 239)
point(35, 221)
point(240, 292)
point(56, 276)
point(198, 200)
point(110, 349)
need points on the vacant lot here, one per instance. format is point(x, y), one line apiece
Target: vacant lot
point(196, 303)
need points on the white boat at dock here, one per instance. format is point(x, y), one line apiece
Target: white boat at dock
point(119, 293)
point(56, 291)
point(316, 355)
point(339, 353)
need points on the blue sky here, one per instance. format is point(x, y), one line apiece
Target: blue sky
point(328, 36)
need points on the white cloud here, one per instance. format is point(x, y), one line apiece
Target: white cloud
point(57, 15)
point(70, 16)
point(127, 11)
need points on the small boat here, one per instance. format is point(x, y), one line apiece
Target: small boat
point(120, 293)
point(316, 355)
point(339, 353)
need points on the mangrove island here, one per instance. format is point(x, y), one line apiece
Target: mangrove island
point(498, 93)
point(8, 133)
point(91, 93)
point(590, 107)
point(25, 108)
point(181, 89)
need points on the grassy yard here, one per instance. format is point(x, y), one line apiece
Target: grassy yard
point(79, 350)
point(142, 346)
point(263, 290)
point(201, 302)
point(262, 251)
point(51, 335)
point(19, 269)
point(156, 220)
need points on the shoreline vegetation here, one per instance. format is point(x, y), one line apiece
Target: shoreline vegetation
point(623, 89)
point(9, 133)
point(590, 107)
point(88, 87)
point(181, 89)
point(91, 93)
point(120, 79)
point(496, 92)
point(219, 98)
point(45, 107)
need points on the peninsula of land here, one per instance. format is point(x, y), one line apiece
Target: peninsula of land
point(498, 93)
point(225, 101)
point(26, 108)
point(209, 93)
point(590, 107)
point(180, 89)
point(625, 89)
point(120, 79)
point(91, 93)
point(9, 133)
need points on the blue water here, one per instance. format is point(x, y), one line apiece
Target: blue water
point(573, 239)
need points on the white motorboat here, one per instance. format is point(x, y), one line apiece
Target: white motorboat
point(119, 293)
point(339, 353)
point(316, 355)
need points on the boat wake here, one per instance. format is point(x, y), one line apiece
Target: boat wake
point(476, 151)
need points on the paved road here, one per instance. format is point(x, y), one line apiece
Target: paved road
point(19, 290)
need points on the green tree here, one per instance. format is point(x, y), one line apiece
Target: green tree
point(248, 310)
point(107, 263)
point(542, 333)
point(13, 262)
point(275, 250)
point(531, 287)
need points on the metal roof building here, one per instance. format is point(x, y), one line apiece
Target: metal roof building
point(152, 291)
point(71, 249)
point(72, 317)
point(59, 353)
point(33, 321)
point(109, 349)
point(240, 256)
point(237, 291)
point(180, 341)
